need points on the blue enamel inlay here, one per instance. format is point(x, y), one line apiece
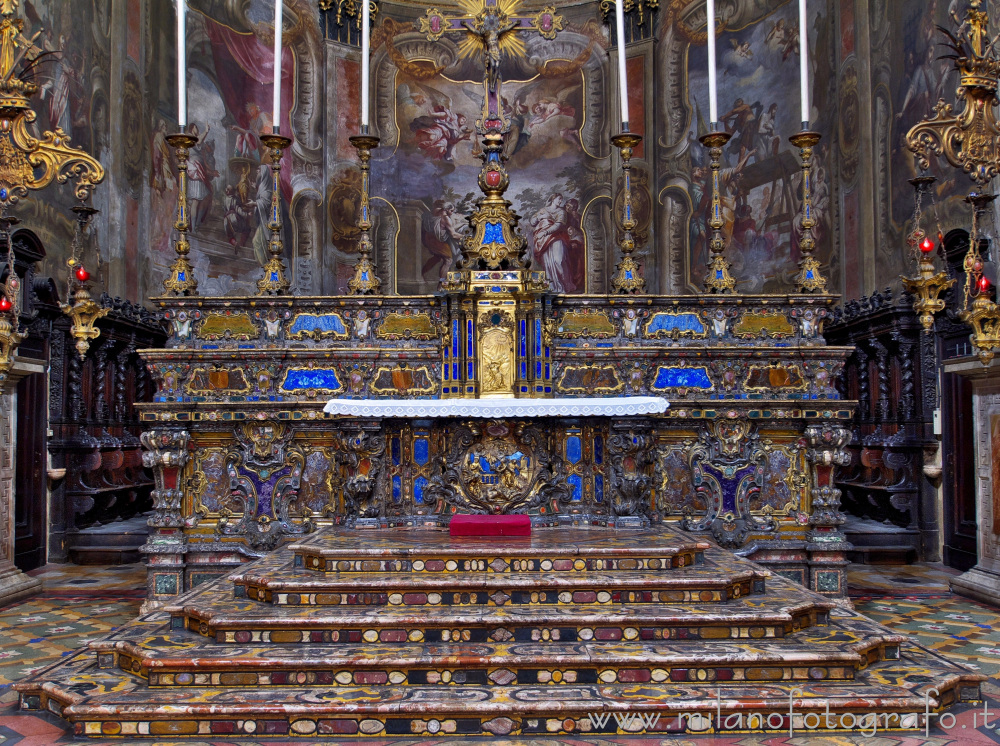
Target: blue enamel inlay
point(419, 485)
point(688, 378)
point(180, 275)
point(274, 277)
point(575, 481)
point(454, 338)
point(4, 193)
point(718, 274)
point(313, 378)
point(454, 371)
point(538, 338)
point(493, 233)
point(421, 451)
point(311, 323)
point(469, 334)
point(682, 322)
point(574, 449)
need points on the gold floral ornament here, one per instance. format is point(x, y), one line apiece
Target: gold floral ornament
point(29, 163)
point(348, 9)
point(970, 139)
point(10, 307)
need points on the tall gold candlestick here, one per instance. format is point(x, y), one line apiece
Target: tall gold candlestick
point(365, 280)
point(628, 277)
point(181, 280)
point(275, 280)
point(718, 279)
point(809, 279)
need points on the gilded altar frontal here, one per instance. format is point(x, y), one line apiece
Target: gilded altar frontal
point(500, 369)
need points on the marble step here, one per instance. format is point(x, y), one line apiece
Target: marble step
point(211, 611)
point(564, 549)
point(148, 648)
point(275, 580)
point(103, 703)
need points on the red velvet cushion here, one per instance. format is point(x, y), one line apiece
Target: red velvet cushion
point(490, 525)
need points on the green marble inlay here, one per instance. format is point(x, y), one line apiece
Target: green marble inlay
point(828, 581)
point(165, 584)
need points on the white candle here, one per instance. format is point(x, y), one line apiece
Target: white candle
point(804, 63)
point(622, 78)
point(713, 85)
point(182, 63)
point(365, 59)
point(276, 108)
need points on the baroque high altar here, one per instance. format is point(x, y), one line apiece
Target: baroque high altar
point(658, 444)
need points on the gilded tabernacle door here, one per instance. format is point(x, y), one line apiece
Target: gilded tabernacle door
point(496, 346)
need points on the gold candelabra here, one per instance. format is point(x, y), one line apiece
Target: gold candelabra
point(642, 8)
point(10, 305)
point(981, 312)
point(275, 281)
point(969, 140)
point(365, 280)
point(929, 283)
point(628, 277)
point(181, 280)
point(84, 311)
point(719, 278)
point(809, 279)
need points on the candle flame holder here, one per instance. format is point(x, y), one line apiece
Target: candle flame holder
point(275, 281)
point(809, 279)
point(628, 277)
point(84, 311)
point(929, 283)
point(983, 315)
point(365, 280)
point(719, 278)
point(181, 280)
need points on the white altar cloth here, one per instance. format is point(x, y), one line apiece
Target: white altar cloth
point(614, 406)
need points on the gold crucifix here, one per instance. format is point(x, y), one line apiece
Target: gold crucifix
point(490, 28)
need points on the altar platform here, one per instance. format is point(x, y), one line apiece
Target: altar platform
point(406, 632)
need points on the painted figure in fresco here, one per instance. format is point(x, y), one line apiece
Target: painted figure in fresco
point(742, 50)
point(161, 174)
point(201, 174)
point(519, 134)
point(558, 240)
point(438, 133)
point(248, 143)
point(741, 122)
point(768, 138)
point(66, 83)
point(439, 231)
point(783, 38)
point(238, 220)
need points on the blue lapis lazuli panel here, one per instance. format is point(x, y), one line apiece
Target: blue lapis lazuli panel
point(313, 378)
point(419, 485)
point(329, 323)
point(421, 451)
point(397, 489)
point(599, 488)
point(397, 452)
point(454, 337)
point(493, 233)
point(538, 339)
point(574, 449)
point(598, 450)
point(682, 322)
point(688, 378)
point(575, 481)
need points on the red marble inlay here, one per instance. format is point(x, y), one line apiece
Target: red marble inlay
point(371, 677)
point(633, 675)
point(340, 726)
point(607, 633)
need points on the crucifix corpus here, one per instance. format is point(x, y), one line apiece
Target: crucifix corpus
point(490, 28)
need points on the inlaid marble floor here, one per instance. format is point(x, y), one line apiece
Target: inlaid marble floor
point(81, 603)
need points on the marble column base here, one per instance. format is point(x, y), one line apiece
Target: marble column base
point(16, 586)
point(982, 583)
